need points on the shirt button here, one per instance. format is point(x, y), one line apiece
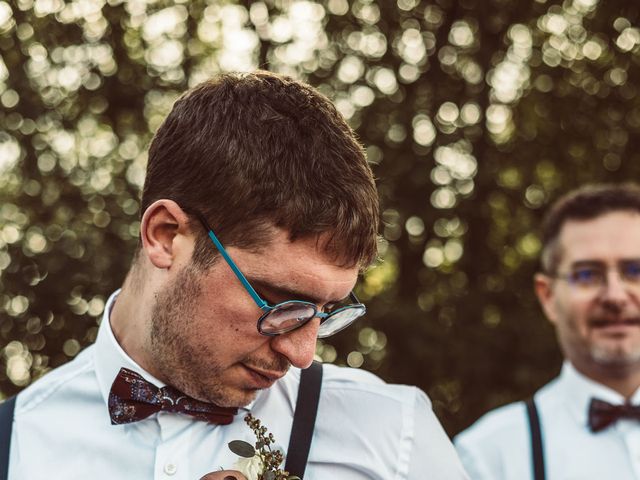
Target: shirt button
point(170, 468)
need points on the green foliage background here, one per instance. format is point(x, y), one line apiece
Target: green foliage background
point(475, 113)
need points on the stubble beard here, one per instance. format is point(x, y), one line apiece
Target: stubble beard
point(615, 356)
point(173, 340)
point(607, 353)
point(186, 362)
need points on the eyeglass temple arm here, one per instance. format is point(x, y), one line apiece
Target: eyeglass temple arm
point(259, 301)
point(354, 298)
point(256, 298)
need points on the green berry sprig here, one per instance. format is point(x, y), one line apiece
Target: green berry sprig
point(271, 459)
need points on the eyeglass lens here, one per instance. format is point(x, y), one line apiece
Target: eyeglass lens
point(286, 317)
point(596, 275)
point(340, 319)
point(291, 315)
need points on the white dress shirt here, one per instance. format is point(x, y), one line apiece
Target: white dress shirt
point(498, 446)
point(365, 429)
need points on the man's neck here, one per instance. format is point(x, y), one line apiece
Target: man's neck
point(128, 317)
point(623, 379)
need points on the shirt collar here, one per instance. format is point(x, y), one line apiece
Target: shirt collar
point(110, 357)
point(579, 390)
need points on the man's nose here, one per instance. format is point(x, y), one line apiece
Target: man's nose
point(298, 346)
point(616, 291)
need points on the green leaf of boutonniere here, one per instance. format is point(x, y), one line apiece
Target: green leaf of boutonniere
point(242, 449)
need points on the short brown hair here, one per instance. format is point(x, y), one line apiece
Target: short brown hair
point(585, 203)
point(249, 150)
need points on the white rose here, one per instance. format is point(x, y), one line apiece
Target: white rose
point(250, 467)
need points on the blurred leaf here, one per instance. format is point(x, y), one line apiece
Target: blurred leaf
point(242, 449)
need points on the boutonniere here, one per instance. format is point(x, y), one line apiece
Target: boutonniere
point(259, 462)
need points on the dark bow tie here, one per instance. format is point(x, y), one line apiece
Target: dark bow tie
point(132, 398)
point(603, 414)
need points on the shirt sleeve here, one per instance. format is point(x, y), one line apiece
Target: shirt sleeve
point(432, 456)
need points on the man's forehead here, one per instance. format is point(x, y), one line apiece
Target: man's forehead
point(313, 247)
point(300, 265)
point(278, 291)
point(603, 226)
point(609, 236)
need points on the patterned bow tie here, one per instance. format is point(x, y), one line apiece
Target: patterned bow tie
point(603, 414)
point(132, 398)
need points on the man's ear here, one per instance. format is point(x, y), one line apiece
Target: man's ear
point(543, 286)
point(161, 223)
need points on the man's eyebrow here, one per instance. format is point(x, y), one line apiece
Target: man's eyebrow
point(587, 263)
point(285, 293)
point(600, 263)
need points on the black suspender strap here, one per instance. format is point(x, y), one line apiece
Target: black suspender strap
point(304, 419)
point(6, 424)
point(537, 455)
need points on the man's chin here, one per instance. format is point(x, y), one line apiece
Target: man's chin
point(236, 398)
point(616, 356)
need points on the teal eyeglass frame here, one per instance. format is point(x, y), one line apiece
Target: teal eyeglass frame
point(266, 307)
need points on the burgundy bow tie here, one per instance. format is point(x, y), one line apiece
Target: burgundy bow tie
point(132, 398)
point(603, 414)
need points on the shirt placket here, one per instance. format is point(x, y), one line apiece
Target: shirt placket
point(631, 437)
point(172, 450)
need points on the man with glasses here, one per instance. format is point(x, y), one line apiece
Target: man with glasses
point(584, 424)
point(259, 210)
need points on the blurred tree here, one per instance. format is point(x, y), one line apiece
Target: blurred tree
point(475, 115)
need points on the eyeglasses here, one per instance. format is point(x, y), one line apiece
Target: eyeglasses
point(286, 316)
point(593, 276)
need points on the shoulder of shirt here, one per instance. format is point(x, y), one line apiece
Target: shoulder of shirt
point(492, 425)
point(502, 422)
point(53, 381)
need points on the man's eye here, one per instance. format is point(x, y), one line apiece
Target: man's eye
point(267, 298)
point(586, 276)
point(631, 271)
point(328, 307)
